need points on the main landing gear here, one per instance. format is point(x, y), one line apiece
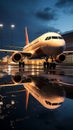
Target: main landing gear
point(49, 65)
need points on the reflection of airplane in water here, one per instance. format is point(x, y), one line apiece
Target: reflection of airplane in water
point(49, 45)
point(46, 91)
point(49, 89)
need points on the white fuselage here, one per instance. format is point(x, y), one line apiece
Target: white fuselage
point(49, 44)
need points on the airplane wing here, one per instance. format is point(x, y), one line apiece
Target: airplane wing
point(9, 84)
point(15, 47)
point(12, 51)
point(68, 52)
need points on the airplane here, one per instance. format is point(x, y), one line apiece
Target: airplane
point(48, 45)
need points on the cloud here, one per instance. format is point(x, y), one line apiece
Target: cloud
point(47, 29)
point(46, 14)
point(65, 5)
point(62, 3)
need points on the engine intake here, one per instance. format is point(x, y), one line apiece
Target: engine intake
point(60, 58)
point(17, 79)
point(16, 57)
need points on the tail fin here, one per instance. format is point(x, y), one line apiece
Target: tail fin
point(27, 98)
point(26, 36)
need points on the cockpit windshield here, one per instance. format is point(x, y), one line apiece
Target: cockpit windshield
point(60, 37)
point(49, 103)
point(53, 37)
point(48, 38)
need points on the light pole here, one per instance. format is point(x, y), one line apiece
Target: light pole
point(1, 37)
point(12, 32)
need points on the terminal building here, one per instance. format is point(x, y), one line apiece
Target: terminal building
point(68, 37)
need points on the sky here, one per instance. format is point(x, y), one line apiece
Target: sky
point(39, 16)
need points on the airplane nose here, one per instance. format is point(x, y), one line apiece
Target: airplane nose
point(61, 49)
point(60, 46)
point(63, 44)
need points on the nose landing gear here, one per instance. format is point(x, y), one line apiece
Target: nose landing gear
point(46, 64)
point(49, 65)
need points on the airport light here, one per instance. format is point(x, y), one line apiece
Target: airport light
point(1, 25)
point(1, 34)
point(12, 26)
point(12, 32)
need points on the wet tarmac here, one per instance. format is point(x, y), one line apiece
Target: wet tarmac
point(36, 98)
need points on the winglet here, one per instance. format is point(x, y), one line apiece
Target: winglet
point(26, 36)
point(27, 98)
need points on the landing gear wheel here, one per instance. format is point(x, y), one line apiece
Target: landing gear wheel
point(46, 64)
point(52, 66)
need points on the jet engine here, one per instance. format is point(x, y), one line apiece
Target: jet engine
point(16, 57)
point(60, 58)
point(17, 78)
